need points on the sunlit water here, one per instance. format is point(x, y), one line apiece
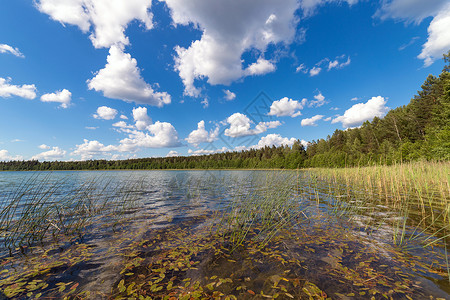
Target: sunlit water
point(164, 201)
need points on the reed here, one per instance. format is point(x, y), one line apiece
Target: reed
point(262, 206)
point(41, 208)
point(414, 196)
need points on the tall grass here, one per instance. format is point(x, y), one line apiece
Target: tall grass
point(41, 208)
point(416, 196)
point(419, 192)
point(263, 206)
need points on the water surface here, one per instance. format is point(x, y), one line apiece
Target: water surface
point(319, 251)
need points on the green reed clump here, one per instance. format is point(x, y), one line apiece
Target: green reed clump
point(420, 191)
point(41, 208)
point(264, 205)
point(414, 197)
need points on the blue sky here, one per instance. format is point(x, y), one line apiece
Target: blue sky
point(90, 79)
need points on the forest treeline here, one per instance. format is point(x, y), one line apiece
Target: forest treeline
point(419, 130)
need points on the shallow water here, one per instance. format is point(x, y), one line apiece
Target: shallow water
point(323, 251)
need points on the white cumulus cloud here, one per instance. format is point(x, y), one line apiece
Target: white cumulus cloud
point(105, 113)
point(64, 97)
point(260, 67)
point(121, 79)
point(229, 95)
point(319, 100)
point(315, 71)
point(123, 125)
point(44, 147)
point(141, 118)
point(438, 42)
point(230, 28)
point(311, 121)
point(4, 48)
point(27, 91)
point(89, 149)
point(159, 135)
point(240, 125)
point(274, 140)
point(105, 20)
point(55, 153)
point(173, 153)
point(200, 135)
point(207, 151)
point(5, 156)
point(286, 107)
point(361, 112)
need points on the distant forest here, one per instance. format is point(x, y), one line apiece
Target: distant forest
point(419, 130)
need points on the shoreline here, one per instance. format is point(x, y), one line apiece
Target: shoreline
point(112, 170)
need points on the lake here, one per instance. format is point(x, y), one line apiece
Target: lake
point(209, 234)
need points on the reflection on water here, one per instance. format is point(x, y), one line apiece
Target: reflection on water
point(222, 224)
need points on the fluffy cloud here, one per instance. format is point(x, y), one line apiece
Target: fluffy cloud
point(8, 49)
point(173, 153)
point(206, 151)
point(5, 156)
point(318, 102)
point(141, 118)
point(315, 71)
point(161, 135)
point(286, 107)
point(123, 125)
point(240, 125)
point(64, 97)
point(311, 121)
point(229, 95)
point(105, 20)
point(121, 79)
point(361, 112)
point(260, 67)
point(105, 113)
point(27, 91)
point(438, 42)
point(200, 135)
point(416, 11)
point(268, 140)
point(143, 134)
point(44, 147)
point(54, 154)
point(274, 140)
point(89, 149)
point(230, 28)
